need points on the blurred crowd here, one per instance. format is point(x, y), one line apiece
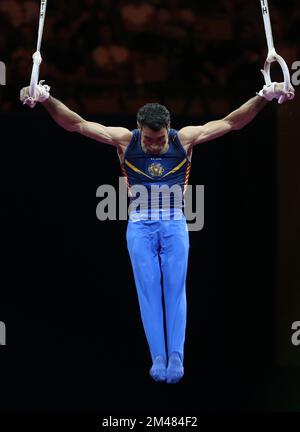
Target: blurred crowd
point(111, 56)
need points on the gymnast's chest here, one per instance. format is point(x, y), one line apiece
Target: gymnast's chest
point(153, 168)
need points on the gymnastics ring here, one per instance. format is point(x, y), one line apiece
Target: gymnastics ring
point(273, 56)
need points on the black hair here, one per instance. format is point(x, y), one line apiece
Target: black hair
point(154, 116)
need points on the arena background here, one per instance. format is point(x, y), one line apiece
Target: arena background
point(74, 337)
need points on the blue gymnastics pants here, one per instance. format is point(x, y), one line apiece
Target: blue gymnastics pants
point(158, 251)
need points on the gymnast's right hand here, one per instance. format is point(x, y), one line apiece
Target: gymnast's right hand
point(41, 94)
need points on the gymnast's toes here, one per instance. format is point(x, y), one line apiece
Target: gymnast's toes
point(158, 370)
point(175, 370)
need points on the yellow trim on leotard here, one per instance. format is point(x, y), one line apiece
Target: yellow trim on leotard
point(176, 168)
point(141, 172)
point(136, 169)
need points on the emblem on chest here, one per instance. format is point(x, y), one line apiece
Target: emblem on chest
point(156, 169)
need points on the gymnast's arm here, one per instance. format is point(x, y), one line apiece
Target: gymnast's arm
point(215, 129)
point(69, 120)
point(193, 135)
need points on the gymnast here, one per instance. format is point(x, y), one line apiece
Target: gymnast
point(156, 155)
point(158, 242)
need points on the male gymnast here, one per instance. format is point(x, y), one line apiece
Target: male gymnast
point(154, 154)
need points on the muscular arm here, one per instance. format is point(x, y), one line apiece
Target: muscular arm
point(246, 113)
point(193, 135)
point(69, 120)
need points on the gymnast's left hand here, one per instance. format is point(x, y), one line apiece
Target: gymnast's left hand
point(276, 91)
point(280, 91)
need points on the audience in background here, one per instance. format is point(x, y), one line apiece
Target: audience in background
point(167, 50)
